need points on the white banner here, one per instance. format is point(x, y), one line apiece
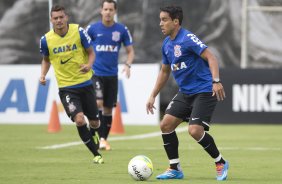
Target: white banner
point(24, 101)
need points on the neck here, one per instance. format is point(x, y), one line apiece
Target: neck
point(108, 23)
point(63, 31)
point(174, 33)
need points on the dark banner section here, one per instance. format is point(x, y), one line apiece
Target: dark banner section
point(253, 96)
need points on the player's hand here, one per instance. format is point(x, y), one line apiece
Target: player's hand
point(218, 90)
point(42, 80)
point(126, 70)
point(84, 68)
point(150, 105)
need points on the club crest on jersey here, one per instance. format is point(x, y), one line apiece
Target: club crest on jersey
point(177, 51)
point(116, 36)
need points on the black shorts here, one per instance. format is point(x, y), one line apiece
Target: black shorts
point(77, 100)
point(195, 109)
point(106, 88)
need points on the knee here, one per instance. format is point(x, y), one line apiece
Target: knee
point(196, 131)
point(165, 127)
point(79, 119)
point(94, 124)
point(100, 104)
point(192, 131)
point(107, 111)
point(169, 123)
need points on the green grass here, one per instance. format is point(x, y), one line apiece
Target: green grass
point(254, 153)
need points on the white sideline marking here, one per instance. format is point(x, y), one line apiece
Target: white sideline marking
point(132, 137)
point(155, 134)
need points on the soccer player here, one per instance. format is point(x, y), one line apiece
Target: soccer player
point(68, 48)
point(195, 70)
point(107, 36)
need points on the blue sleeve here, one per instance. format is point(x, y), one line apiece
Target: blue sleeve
point(127, 38)
point(85, 39)
point(43, 46)
point(164, 57)
point(194, 44)
point(90, 32)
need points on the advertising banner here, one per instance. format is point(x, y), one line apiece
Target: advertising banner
point(253, 96)
point(24, 100)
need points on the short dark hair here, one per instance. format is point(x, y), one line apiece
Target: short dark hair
point(109, 1)
point(175, 12)
point(57, 8)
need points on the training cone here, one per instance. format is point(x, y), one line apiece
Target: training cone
point(117, 125)
point(54, 121)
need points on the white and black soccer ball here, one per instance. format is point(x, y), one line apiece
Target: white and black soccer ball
point(140, 168)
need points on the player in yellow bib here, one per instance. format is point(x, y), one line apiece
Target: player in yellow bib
point(68, 48)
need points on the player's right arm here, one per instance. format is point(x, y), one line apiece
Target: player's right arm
point(161, 81)
point(45, 64)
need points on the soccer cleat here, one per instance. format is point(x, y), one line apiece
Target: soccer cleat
point(104, 145)
point(221, 170)
point(170, 174)
point(98, 159)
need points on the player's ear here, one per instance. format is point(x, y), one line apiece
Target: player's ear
point(176, 21)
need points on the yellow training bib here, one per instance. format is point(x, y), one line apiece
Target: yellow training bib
point(66, 54)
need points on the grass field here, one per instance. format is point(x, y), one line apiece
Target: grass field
point(254, 153)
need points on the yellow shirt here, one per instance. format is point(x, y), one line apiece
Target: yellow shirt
point(66, 54)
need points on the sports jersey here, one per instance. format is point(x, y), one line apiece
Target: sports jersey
point(66, 54)
point(107, 43)
point(190, 71)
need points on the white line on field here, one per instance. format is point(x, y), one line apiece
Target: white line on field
point(132, 137)
point(156, 134)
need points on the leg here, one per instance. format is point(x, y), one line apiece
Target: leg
point(109, 101)
point(100, 109)
point(98, 90)
point(205, 140)
point(168, 126)
point(73, 101)
point(84, 133)
point(94, 126)
point(204, 106)
point(178, 110)
point(106, 127)
point(108, 118)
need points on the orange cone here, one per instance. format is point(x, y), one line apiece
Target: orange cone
point(117, 125)
point(54, 121)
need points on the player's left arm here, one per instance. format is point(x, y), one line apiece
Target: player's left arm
point(87, 44)
point(84, 68)
point(130, 57)
point(128, 43)
point(218, 89)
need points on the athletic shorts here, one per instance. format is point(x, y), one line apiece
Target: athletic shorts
point(106, 88)
point(195, 109)
point(77, 100)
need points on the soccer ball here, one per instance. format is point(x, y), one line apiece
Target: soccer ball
point(140, 168)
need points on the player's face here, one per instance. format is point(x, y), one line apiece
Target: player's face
point(108, 12)
point(167, 25)
point(59, 20)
